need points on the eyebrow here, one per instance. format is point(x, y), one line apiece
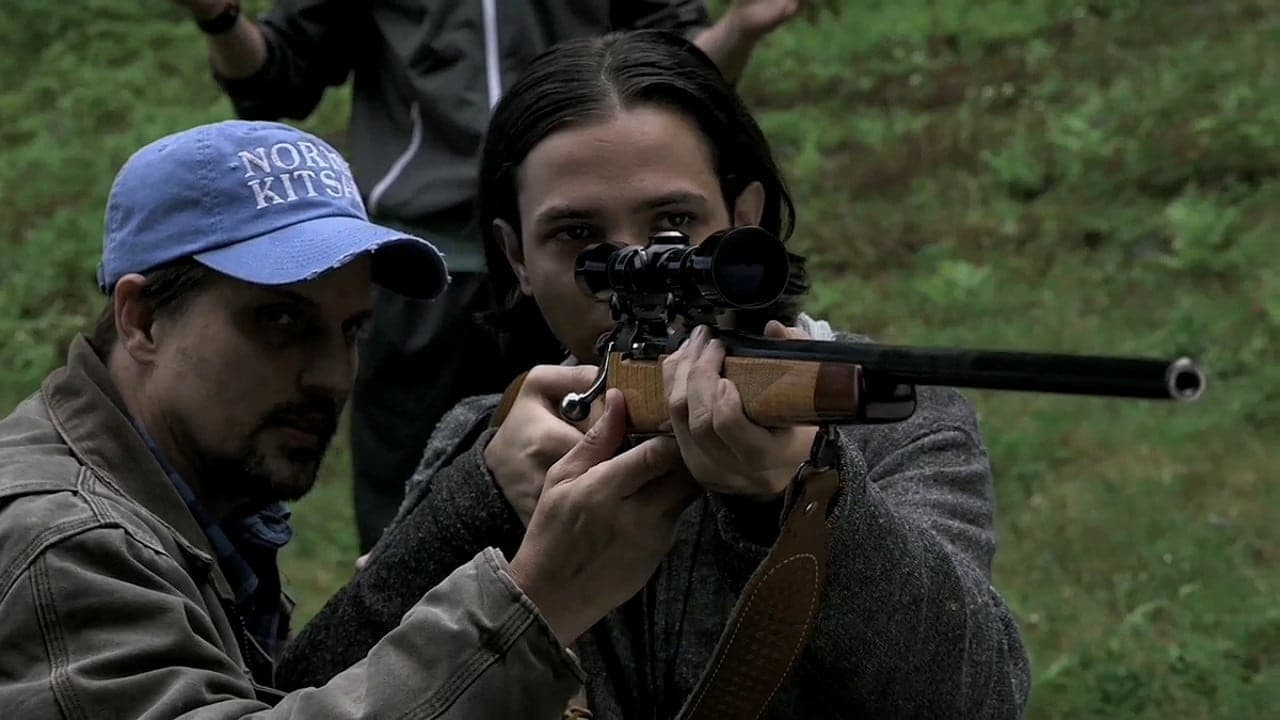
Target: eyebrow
point(312, 305)
point(678, 197)
point(298, 298)
point(557, 213)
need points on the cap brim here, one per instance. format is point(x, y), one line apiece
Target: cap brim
point(403, 264)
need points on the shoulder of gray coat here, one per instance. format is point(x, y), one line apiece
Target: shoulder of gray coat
point(443, 444)
point(937, 409)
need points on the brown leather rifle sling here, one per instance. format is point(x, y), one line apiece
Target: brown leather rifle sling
point(770, 622)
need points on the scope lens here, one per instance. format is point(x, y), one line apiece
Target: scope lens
point(744, 267)
point(592, 267)
point(749, 267)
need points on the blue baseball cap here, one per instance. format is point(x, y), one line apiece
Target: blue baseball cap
point(262, 202)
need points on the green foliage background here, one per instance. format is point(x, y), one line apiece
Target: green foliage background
point(1098, 176)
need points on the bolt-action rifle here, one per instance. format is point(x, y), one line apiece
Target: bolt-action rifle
point(661, 291)
point(658, 293)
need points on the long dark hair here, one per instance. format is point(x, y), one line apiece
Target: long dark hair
point(587, 79)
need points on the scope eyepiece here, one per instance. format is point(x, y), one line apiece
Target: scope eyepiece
point(742, 267)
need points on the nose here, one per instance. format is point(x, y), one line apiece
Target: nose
point(330, 370)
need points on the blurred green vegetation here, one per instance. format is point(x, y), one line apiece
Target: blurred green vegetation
point(1097, 176)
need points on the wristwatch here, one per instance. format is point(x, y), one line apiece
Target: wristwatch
point(223, 21)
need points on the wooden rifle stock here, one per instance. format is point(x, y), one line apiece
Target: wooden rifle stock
point(775, 393)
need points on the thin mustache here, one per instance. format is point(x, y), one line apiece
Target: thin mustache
point(316, 416)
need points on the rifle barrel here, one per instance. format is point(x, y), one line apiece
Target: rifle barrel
point(1179, 379)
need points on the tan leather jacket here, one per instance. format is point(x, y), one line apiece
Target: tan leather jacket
point(112, 606)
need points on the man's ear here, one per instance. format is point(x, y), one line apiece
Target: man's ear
point(514, 251)
point(748, 208)
point(134, 318)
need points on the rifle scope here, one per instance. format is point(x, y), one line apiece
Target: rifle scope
point(741, 267)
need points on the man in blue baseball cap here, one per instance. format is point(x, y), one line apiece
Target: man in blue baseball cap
point(141, 487)
point(259, 202)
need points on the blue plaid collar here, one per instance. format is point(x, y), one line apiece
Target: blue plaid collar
point(246, 547)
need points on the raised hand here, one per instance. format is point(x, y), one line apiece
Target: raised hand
point(602, 525)
point(756, 18)
point(533, 436)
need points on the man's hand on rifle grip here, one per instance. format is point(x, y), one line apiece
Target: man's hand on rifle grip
point(533, 436)
point(605, 521)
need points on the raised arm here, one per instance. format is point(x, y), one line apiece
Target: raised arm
point(728, 42)
point(280, 66)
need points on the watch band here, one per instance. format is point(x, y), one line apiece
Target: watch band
point(223, 21)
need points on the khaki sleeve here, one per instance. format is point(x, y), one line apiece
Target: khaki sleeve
point(101, 626)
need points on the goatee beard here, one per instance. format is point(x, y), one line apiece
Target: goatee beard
point(250, 478)
point(257, 479)
point(259, 473)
